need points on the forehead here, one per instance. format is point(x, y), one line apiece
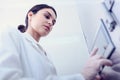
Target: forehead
point(48, 10)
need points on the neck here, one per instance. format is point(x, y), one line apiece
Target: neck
point(33, 33)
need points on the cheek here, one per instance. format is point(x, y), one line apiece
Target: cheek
point(35, 23)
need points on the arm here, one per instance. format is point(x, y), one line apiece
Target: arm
point(10, 65)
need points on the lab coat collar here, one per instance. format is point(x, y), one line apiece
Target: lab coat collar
point(34, 42)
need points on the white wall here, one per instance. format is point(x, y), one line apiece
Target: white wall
point(65, 44)
point(90, 13)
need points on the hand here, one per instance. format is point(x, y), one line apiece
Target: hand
point(113, 72)
point(92, 67)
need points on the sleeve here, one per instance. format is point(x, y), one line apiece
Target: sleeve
point(10, 63)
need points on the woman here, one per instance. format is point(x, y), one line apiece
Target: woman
point(22, 58)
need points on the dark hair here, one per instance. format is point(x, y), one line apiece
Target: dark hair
point(34, 9)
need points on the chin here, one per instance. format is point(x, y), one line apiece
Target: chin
point(43, 35)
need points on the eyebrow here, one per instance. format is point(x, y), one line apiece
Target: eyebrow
point(48, 13)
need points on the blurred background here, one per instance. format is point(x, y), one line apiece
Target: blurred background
point(67, 45)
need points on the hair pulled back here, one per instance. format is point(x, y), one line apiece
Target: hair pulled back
point(34, 9)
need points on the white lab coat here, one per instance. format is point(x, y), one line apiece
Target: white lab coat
point(22, 58)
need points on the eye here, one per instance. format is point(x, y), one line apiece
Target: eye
point(54, 21)
point(47, 16)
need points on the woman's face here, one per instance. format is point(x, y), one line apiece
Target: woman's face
point(42, 22)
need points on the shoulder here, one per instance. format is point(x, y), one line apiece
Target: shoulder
point(10, 35)
point(9, 32)
point(10, 38)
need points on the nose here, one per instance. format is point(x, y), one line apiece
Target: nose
point(50, 22)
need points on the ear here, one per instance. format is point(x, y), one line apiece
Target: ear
point(30, 14)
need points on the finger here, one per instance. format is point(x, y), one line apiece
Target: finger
point(102, 76)
point(105, 62)
point(98, 77)
point(94, 52)
point(97, 56)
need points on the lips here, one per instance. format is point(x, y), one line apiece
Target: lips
point(47, 28)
